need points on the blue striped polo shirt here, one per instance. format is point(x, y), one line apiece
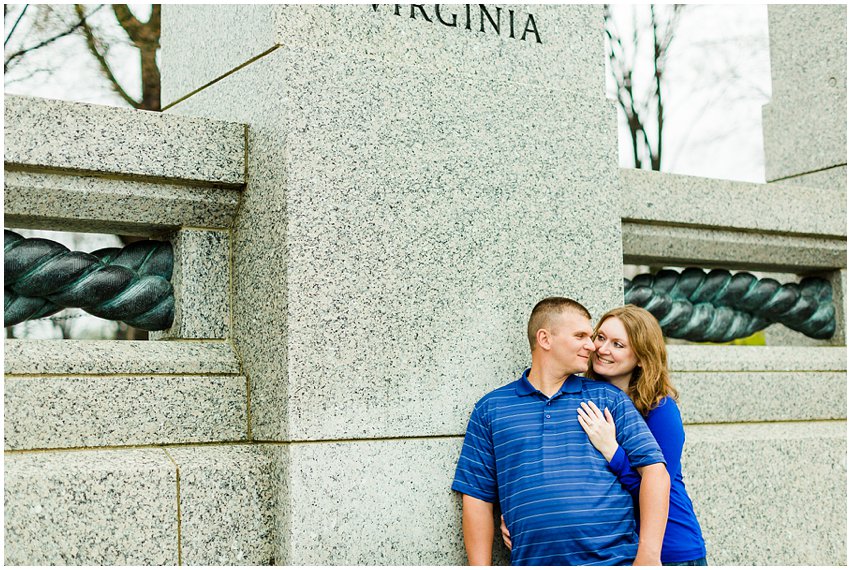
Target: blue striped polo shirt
point(561, 503)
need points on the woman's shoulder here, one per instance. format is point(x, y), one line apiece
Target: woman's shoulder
point(665, 410)
point(666, 401)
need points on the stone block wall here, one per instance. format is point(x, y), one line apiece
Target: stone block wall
point(94, 469)
point(364, 206)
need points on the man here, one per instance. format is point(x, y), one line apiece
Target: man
point(524, 446)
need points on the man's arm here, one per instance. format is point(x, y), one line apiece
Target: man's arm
point(653, 499)
point(477, 521)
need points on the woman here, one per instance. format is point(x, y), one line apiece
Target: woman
point(630, 354)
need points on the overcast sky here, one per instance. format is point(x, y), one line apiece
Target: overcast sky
point(719, 79)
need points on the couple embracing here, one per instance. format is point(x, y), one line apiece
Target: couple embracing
point(586, 469)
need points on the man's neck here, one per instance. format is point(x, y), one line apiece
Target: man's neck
point(545, 380)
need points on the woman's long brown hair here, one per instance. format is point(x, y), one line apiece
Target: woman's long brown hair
point(650, 381)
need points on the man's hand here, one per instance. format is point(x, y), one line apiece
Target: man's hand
point(653, 499)
point(600, 428)
point(506, 536)
point(477, 521)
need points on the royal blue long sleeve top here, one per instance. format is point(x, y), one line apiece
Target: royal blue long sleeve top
point(683, 539)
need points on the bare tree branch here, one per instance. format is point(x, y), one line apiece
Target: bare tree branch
point(15, 25)
point(128, 21)
point(645, 112)
point(91, 42)
point(146, 37)
point(30, 74)
point(21, 52)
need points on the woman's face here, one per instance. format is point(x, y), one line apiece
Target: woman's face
point(613, 358)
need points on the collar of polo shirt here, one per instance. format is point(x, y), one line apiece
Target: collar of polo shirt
point(573, 385)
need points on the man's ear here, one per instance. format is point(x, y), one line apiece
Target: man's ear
point(543, 339)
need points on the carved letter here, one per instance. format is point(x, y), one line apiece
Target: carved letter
point(375, 7)
point(468, 15)
point(422, 10)
point(454, 23)
point(511, 23)
point(397, 9)
point(484, 12)
point(530, 26)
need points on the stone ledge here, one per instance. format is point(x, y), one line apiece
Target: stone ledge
point(704, 358)
point(767, 431)
point(651, 244)
point(91, 411)
point(674, 199)
point(90, 508)
point(81, 357)
point(793, 396)
point(93, 204)
point(61, 135)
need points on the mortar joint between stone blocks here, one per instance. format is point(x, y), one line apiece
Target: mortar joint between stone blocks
point(129, 447)
point(177, 480)
point(221, 77)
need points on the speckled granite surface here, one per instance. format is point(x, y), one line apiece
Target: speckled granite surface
point(244, 31)
point(201, 281)
point(279, 456)
point(835, 178)
point(839, 285)
point(92, 204)
point(80, 357)
point(396, 494)
point(726, 204)
point(226, 504)
point(705, 358)
point(764, 494)
point(259, 244)
point(358, 30)
point(794, 396)
point(90, 508)
point(396, 215)
point(563, 55)
point(805, 124)
point(89, 411)
point(64, 135)
point(651, 244)
point(770, 494)
point(396, 240)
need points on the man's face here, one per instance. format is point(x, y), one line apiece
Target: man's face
point(570, 341)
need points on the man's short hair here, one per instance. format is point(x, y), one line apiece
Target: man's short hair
point(546, 310)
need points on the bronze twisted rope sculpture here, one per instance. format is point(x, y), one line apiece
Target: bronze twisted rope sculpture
point(129, 284)
point(719, 306)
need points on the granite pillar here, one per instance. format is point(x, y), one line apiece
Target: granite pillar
point(417, 180)
point(805, 124)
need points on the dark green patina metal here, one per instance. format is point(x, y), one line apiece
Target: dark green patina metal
point(719, 306)
point(129, 284)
